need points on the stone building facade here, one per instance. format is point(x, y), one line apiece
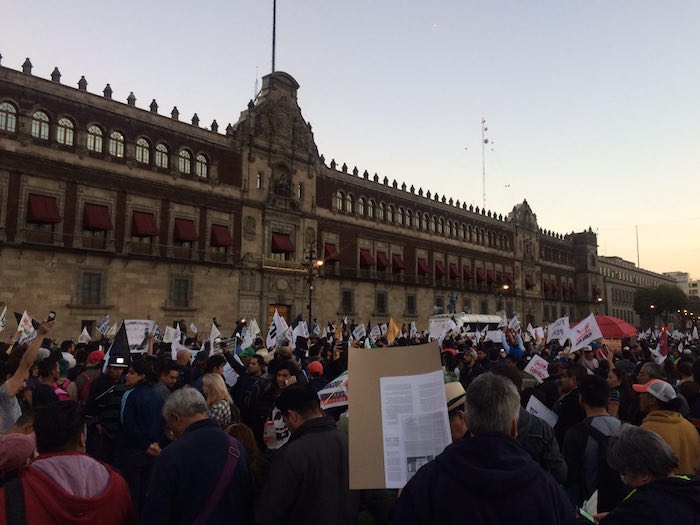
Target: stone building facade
point(109, 208)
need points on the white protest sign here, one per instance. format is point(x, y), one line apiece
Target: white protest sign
point(494, 335)
point(230, 375)
point(26, 328)
point(170, 334)
point(539, 333)
point(137, 331)
point(3, 319)
point(538, 408)
point(104, 325)
point(584, 333)
point(559, 329)
point(359, 332)
point(531, 331)
point(84, 336)
point(193, 328)
point(537, 368)
point(336, 392)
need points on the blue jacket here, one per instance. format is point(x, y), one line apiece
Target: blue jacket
point(493, 477)
point(142, 420)
point(186, 473)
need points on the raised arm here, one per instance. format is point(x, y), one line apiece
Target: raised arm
point(16, 383)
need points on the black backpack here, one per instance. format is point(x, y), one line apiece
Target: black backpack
point(611, 489)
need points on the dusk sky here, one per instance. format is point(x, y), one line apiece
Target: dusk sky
point(593, 107)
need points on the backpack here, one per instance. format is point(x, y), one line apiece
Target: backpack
point(87, 380)
point(611, 489)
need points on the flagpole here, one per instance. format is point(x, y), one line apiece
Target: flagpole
point(484, 140)
point(274, 31)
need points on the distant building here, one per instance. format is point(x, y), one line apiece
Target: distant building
point(693, 288)
point(112, 208)
point(621, 279)
point(681, 279)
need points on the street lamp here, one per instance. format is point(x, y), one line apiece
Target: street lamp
point(598, 300)
point(313, 266)
point(504, 288)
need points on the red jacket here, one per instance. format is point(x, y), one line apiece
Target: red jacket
point(70, 487)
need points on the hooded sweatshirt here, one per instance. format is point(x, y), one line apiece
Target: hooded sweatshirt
point(492, 479)
point(668, 501)
point(680, 435)
point(70, 487)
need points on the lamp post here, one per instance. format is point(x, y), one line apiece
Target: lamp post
point(312, 265)
point(598, 300)
point(652, 313)
point(504, 289)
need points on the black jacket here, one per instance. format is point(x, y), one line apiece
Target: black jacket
point(308, 481)
point(569, 412)
point(493, 477)
point(668, 501)
point(186, 473)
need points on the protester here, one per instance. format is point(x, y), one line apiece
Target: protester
point(659, 402)
point(471, 369)
point(620, 394)
point(567, 408)
point(167, 379)
point(456, 396)
point(142, 430)
point(64, 485)
point(219, 401)
point(536, 436)
point(45, 392)
point(16, 373)
point(16, 450)
point(488, 476)
point(316, 379)
point(585, 449)
point(203, 476)
point(312, 467)
point(646, 464)
point(79, 388)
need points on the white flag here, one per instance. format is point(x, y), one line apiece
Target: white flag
point(383, 329)
point(584, 333)
point(213, 335)
point(157, 334)
point(514, 324)
point(112, 331)
point(104, 325)
point(375, 333)
point(27, 329)
point(253, 328)
point(695, 328)
point(193, 328)
point(559, 329)
point(531, 331)
point(3, 319)
point(359, 332)
point(412, 330)
point(502, 323)
point(368, 344)
point(84, 336)
point(170, 335)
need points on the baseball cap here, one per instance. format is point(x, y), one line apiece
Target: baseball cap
point(658, 388)
point(95, 357)
point(15, 450)
point(315, 367)
point(455, 395)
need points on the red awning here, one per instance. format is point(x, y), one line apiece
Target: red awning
point(366, 260)
point(220, 235)
point(281, 243)
point(439, 270)
point(545, 286)
point(529, 283)
point(42, 209)
point(397, 263)
point(508, 279)
point(480, 275)
point(423, 267)
point(382, 261)
point(96, 218)
point(490, 278)
point(330, 254)
point(467, 273)
point(184, 231)
point(454, 271)
point(143, 224)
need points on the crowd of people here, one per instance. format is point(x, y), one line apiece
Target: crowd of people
point(218, 433)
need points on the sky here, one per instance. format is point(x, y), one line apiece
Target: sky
point(592, 108)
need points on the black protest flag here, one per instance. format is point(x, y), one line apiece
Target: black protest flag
point(120, 345)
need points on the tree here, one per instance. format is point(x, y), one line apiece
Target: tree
point(661, 300)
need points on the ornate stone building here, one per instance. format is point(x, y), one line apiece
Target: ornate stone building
point(110, 208)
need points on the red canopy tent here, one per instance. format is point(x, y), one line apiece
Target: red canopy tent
point(614, 328)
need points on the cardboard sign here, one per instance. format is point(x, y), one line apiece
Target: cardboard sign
point(537, 408)
point(537, 368)
point(365, 369)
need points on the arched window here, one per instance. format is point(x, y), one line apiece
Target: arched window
point(184, 161)
point(40, 125)
point(162, 156)
point(64, 132)
point(94, 139)
point(8, 117)
point(426, 222)
point(370, 209)
point(471, 238)
point(348, 203)
point(451, 228)
point(361, 206)
point(463, 232)
point(339, 201)
point(409, 219)
point(202, 168)
point(143, 151)
point(442, 226)
point(435, 225)
point(382, 211)
point(116, 144)
point(390, 214)
point(402, 217)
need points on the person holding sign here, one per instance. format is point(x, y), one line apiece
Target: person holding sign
point(489, 474)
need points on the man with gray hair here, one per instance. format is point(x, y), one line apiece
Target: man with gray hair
point(203, 477)
point(487, 477)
